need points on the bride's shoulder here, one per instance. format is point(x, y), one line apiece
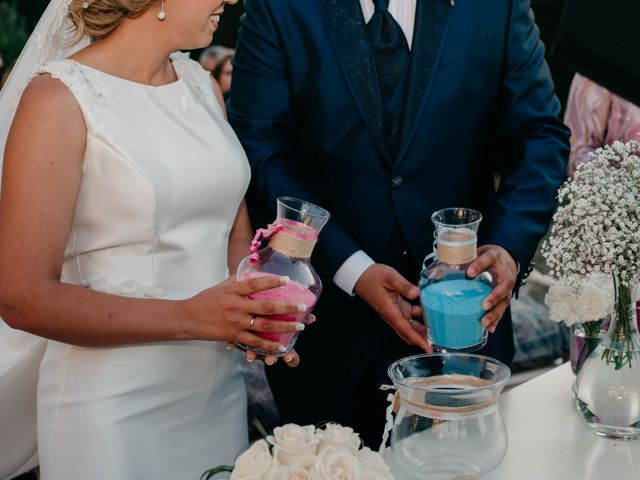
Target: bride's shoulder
point(81, 82)
point(199, 79)
point(189, 69)
point(45, 89)
point(47, 102)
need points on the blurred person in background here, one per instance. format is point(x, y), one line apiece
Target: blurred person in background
point(210, 56)
point(222, 73)
point(597, 117)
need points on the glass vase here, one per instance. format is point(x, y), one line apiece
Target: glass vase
point(448, 423)
point(451, 301)
point(291, 240)
point(607, 387)
point(583, 340)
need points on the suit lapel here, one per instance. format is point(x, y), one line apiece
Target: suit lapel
point(347, 28)
point(431, 22)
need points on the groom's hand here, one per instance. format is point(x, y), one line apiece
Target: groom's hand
point(504, 272)
point(389, 293)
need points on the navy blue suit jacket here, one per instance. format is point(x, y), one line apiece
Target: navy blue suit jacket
point(306, 106)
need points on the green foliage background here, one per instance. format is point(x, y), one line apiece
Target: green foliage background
point(13, 31)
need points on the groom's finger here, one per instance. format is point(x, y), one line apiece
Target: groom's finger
point(403, 328)
point(501, 291)
point(401, 285)
point(484, 261)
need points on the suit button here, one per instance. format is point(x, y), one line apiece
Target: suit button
point(396, 182)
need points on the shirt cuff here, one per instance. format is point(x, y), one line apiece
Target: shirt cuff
point(351, 270)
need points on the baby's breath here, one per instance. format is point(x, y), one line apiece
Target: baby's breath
point(596, 227)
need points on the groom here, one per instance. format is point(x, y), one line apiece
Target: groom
point(384, 112)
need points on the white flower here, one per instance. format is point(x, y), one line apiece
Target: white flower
point(334, 464)
point(294, 445)
point(595, 227)
point(339, 437)
point(373, 466)
point(289, 472)
point(579, 299)
point(254, 463)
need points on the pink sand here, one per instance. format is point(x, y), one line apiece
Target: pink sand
point(290, 292)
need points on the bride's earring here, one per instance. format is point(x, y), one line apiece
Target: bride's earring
point(161, 14)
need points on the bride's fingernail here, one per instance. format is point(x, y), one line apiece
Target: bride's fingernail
point(300, 326)
point(229, 347)
point(302, 307)
point(282, 348)
point(284, 279)
point(250, 359)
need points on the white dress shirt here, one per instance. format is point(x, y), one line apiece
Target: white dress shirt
point(404, 12)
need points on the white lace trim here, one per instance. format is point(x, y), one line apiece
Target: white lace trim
point(128, 288)
point(82, 82)
point(192, 73)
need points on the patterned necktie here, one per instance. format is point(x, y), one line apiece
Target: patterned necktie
point(390, 48)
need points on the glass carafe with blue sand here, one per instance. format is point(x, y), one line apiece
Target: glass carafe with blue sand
point(451, 301)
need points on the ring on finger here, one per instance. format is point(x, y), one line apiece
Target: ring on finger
point(252, 323)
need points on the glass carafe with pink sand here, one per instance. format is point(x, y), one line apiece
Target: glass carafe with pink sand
point(292, 237)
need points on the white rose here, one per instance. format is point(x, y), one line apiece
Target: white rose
point(339, 437)
point(290, 472)
point(334, 464)
point(294, 445)
point(253, 463)
point(373, 466)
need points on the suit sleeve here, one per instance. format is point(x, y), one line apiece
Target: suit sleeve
point(261, 112)
point(534, 143)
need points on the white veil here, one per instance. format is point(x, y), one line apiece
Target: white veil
point(20, 352)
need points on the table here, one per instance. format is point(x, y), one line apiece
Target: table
point(549, 441)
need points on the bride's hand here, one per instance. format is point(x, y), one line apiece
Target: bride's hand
point(292, 358)
point(225, 312)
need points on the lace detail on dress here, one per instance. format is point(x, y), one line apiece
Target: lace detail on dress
point(128, 288)
point(82, 81)
point(193, 75)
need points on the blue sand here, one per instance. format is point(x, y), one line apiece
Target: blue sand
point(454, 309)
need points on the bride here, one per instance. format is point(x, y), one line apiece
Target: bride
point(121, 213)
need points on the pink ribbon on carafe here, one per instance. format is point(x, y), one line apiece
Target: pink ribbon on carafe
point(291, 228)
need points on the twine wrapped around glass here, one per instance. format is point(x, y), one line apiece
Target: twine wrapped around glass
point(448, 423)
point(292, 237)
point(451, 301)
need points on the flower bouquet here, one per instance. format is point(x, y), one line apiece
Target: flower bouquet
point(294, 452)
point(596, 228)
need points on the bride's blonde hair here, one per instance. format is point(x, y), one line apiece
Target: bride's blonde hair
point(101, 17)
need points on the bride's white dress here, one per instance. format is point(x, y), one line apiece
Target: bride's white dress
point(163, 177)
